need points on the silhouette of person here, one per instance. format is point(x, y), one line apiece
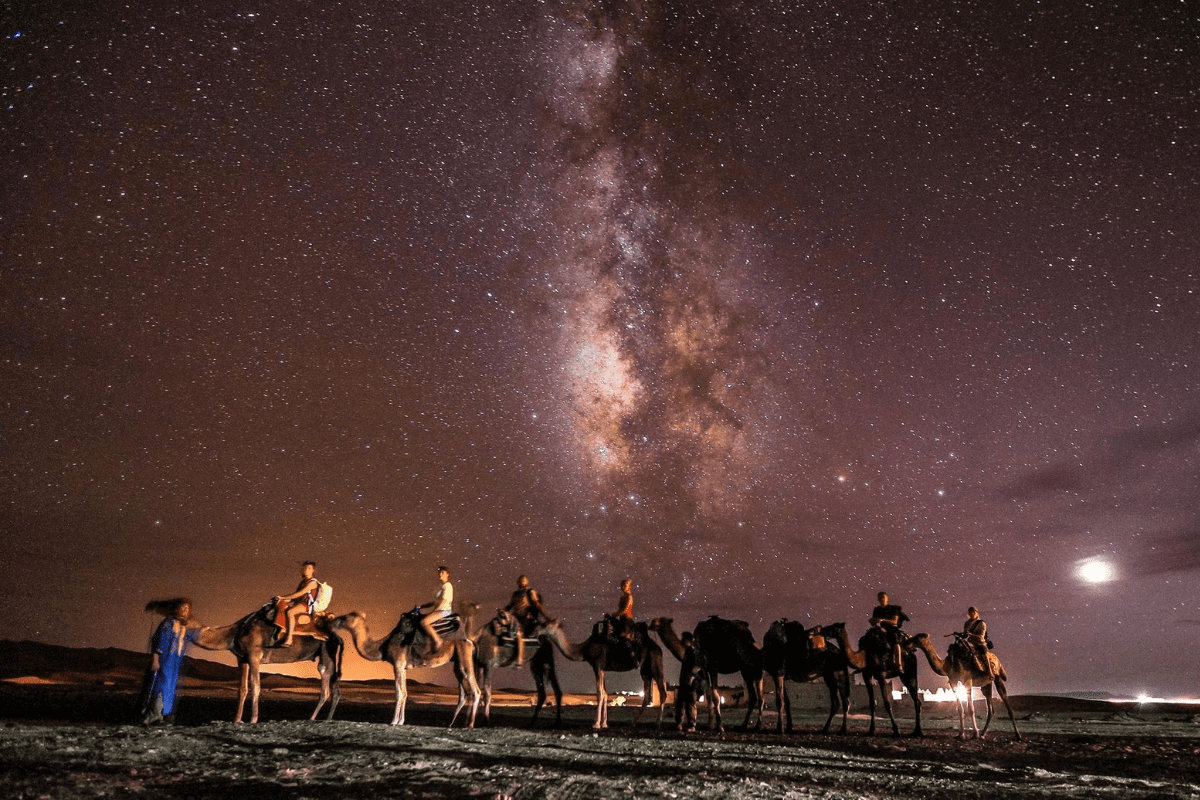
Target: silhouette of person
point(526, 605)
point(889, 619)
point(976, 635)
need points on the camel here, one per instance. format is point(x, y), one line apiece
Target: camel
point(724, 647)
point(605, 654)
point(875, 661)
point(494, 649)
point(407, 646)
point(960, 666)
point(251, 641)
point(685, 691)
point(793, 653)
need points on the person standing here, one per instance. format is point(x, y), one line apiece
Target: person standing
point(167, 648)
point(441, 605)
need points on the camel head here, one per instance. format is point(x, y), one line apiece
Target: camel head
point(349, 621)
point(835, 631)
point(660, 623)
point(920, 640)
point(552, 631)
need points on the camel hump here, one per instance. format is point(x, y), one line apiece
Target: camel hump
point(736, 629)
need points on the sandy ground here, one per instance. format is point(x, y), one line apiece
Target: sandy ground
point(62, 740)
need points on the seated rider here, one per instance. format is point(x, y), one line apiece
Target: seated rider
point(889, 618)
point(623, 619)
point(442, 605)
point(289, 607)
point(526, 606)
point(976, 636)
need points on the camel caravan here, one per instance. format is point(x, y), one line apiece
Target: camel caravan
point(298, 627)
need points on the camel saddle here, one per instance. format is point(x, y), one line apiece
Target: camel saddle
point(448, 624)
point(316, 627)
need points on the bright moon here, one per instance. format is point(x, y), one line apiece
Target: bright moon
point(1097, 572)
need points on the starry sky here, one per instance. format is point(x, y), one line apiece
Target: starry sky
point(768, 306)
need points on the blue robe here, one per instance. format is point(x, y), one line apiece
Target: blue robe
point(170, 645)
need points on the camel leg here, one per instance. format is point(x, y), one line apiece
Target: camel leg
point(542, 667)
point(462, 702)
point(986, 691)
point(843, 683)
point(1002, 690)
point(661, 683)
point(484, 679)
point(467, 683)
point(975, 723)
point(782, 703)
point(754, 700)
point(914, 691)
point(601, 702)
point(885, 696)
point(401, 693)
point(831, 685)
point(647, 698)
point(552, 676)
point(870, 703)
point(714, 704)
point(323, 669)
point(539, 684)
point(962, 713)
point(243, 690)
point(255, 689)
point(334, 669)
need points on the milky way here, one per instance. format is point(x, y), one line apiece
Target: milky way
point(658, 347)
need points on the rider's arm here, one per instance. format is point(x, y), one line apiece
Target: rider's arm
point(303, 590)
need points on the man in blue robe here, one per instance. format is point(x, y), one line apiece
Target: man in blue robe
point(167, 649)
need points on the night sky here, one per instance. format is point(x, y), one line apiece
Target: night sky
point(768, 307)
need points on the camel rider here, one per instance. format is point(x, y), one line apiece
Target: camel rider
point(442, 604)
point(526, 606)
point(289, 607)
point(976, 635)
point(889, 619)
point(623, 619)
point(625, 604)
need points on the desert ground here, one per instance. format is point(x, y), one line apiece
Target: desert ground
point(66, 731)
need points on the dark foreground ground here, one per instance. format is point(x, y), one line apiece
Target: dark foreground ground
point(63, 740)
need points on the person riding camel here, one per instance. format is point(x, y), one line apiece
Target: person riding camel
point(889, 619)
point(526, 606)
point(442, 605)
point(623, 619)
point(975, 630)
point(289, 607)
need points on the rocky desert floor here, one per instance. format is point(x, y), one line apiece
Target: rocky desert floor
point(64, 740)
